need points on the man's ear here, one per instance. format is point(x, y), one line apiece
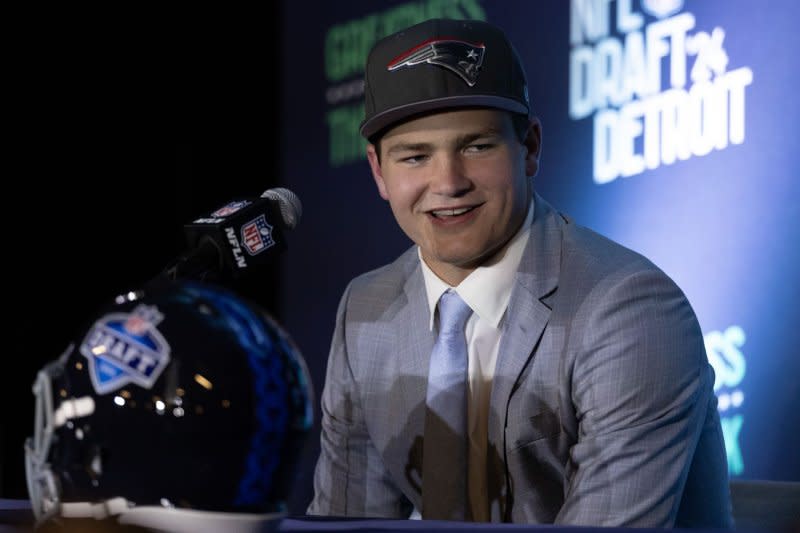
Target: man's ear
point(375, 165)
point(533, 143)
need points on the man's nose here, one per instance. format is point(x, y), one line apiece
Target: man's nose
point(449, 177)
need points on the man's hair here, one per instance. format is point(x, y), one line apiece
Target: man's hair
point(520, 122)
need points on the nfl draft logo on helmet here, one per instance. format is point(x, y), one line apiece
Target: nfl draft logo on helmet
point(126, 348)
point(257, 235)
point(461, 57)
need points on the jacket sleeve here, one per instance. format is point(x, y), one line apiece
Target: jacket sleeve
point(642, 390)
point(349, 479)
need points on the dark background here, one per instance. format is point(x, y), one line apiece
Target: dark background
point(124, 126)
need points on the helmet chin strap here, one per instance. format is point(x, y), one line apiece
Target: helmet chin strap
point(196, 521)
point(101, 510)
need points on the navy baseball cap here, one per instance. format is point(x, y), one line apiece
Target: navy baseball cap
point(439, 64)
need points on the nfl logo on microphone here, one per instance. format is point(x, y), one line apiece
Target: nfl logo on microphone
point(257, 235)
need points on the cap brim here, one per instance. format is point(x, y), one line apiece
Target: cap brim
point(387, 118)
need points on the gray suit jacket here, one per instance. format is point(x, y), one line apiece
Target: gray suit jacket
point(602, 408)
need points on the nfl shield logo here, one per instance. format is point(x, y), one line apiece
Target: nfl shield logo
point(257, 235)
point(229, 209)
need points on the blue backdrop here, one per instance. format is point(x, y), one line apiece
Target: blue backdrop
point(666, 127)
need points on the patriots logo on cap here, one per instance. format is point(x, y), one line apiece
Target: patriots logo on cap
point(461, 57)
point(126, 348)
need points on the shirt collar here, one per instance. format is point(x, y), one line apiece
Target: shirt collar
point(487, 290)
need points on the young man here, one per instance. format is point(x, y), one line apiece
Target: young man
point(589, 397)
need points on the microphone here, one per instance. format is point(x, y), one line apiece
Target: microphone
point(238, 237)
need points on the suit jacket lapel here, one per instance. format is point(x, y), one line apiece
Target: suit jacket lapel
point(524, 323)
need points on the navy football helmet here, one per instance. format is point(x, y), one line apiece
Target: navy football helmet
point(181, 397)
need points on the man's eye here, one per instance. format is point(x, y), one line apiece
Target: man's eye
point(479, 147)
point(419, 158)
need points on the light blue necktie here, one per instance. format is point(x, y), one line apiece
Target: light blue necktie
point(444, 459)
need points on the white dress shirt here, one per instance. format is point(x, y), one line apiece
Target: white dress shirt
point(487, 290)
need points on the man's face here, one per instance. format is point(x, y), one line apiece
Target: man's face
point(458, 183)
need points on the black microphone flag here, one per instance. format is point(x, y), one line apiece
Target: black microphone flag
point(238, 237)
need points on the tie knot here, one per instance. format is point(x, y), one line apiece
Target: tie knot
point(453, 312)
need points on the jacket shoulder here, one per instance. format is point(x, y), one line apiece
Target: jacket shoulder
point(384, 284)
point(595, 256)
